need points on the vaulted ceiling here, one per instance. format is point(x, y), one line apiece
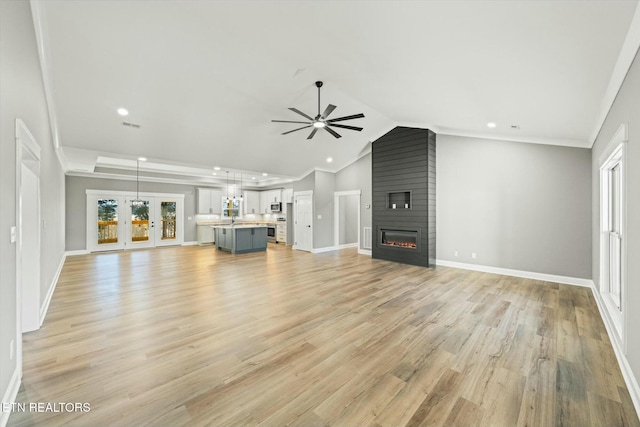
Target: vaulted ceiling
point(204, 79)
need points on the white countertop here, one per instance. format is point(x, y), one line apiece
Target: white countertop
point(229, 226)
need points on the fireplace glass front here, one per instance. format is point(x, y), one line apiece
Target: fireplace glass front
point(399, 238)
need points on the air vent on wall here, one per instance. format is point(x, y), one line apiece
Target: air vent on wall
point(133, 125)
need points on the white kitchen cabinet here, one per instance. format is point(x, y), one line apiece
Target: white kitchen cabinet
point(209, 201)
point(287, 195)
point(265, 204)
point(281, 232)
point(268, 197)
point(205, 235)
point(252, 202)
point(204, 200)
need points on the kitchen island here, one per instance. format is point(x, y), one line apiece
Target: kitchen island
point(241, 238)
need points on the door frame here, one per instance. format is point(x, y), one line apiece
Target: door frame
point(614, 153)
point(336, 217)
point(296, 194)
point(124, 197)
point(28, 154)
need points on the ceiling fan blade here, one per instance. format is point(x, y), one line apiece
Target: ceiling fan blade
point(313, 132)
point(295, 110)
point(303, 127)
point(345, 127)
point(339, 119)
point(328, 110)
point(288, 121)
point(332, 132)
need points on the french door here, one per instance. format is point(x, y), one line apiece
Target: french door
point(117, 221)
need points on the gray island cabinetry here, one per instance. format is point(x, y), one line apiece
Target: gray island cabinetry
point(241, 239)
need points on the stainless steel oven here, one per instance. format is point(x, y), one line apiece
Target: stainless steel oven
point(271, 233)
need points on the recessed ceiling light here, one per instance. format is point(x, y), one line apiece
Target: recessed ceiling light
point(142, 159)
point(253, 177)
point(265, 174)
point(123, 111)
point(214, 173)
point(329, 160)
point(217, 168)
point(491, 125)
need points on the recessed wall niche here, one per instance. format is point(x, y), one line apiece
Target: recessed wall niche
point(399, 200)
point(404, 195)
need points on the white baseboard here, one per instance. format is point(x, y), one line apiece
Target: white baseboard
point(325, 249)
point(10, 395)
point(78, 252)
point(189, 243)
point(52, 287)
point(627, 372)
point(518, 273)
point(364, 252)
point(334, 248)
point(347, 245)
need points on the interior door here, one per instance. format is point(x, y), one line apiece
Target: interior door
point(141, 222)
point(303, 222)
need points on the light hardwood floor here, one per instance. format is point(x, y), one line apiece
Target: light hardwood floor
point(190, 336)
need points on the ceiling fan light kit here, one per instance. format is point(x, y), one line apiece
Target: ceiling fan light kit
point(321, 121)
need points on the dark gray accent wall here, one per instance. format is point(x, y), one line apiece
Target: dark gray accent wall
point(22, 96)
point(625, 109)
point(76, 205)
point(400, 163)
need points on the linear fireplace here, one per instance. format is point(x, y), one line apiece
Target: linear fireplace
point(403, 184)
point(399, 238)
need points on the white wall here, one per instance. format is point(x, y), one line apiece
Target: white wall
point(626, 109)
point(76, 205)
point(517, 206)
point(23, 97)
point(357, 176)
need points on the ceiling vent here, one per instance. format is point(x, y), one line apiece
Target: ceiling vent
point(133, 125)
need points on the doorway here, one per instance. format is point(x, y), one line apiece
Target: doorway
point(120, 220)
point(346, 219)
point(303, 230)
point(28, 232)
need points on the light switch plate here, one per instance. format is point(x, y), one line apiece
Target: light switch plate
point(14, 234)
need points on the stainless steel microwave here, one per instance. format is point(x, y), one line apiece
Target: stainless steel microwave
point(276, 207)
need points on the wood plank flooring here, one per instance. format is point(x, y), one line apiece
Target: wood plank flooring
point(191, 336)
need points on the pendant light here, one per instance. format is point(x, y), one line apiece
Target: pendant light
point(137, 199)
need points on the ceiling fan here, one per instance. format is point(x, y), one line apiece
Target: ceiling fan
point(321, 121)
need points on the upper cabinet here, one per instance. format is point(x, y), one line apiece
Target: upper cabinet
point(287, 196)
point(209, 201)
point(252, 202)
point(255, 202)
point(268, 197)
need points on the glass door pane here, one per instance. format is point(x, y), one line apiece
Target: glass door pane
point(141, 223)
point(106, 217)
point(107, 221)
point(168, 220)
